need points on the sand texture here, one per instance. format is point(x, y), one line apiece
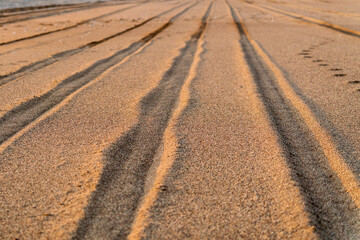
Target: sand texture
point(211, 119)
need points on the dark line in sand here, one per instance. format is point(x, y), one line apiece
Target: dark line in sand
point(344, 146)
point(113, 205)
point(329, 25)
point(22, 115)
point(47, 11)
point(340, 75)
point(42, 7)
point(58, 56)
point(70, 27)
point(331, 210)
point(354, 82)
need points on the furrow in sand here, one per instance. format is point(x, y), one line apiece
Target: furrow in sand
point(318, 22)
point(130, 158)
point(23, 117)
point(67, 53)
point(329, 188)
point(169, 144)
point(324, 11)
point(51, 7)
point(24, 10)
point(29, 13)
point(70, 27)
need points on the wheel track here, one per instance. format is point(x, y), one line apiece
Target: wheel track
point(5, 79)
point(329, 189)
point(321, 10)
point(41, 43)
point(129, 159)
point(70, 27)
point(50, 10)
point(318, 22)
point(170, 143)
point(23, 117)
point(30, 9)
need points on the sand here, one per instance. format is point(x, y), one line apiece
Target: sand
point(180, 120)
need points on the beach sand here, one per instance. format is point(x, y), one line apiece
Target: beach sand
point(218, 119)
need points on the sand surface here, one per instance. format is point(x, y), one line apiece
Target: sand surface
point(206, 119)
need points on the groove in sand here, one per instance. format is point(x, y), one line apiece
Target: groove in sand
point(318, 22)
point(70, 27)
point(347, 179)
point(170, 147)
point(22, 10)
point(321, 10)
point(53, 110)
point(32, 67)
point(12, 125)
point(51, 7)
point(130, 158)
point(338, 164)
point(49, 10)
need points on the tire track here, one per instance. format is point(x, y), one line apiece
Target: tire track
point(329, 189)
point(5, 79)
point(321, 10)
point(30, 9)
point(113, 205)
point(170, 144)
point(19, 15)
point(28, 113)
point(70, 27)
point(318, 22)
